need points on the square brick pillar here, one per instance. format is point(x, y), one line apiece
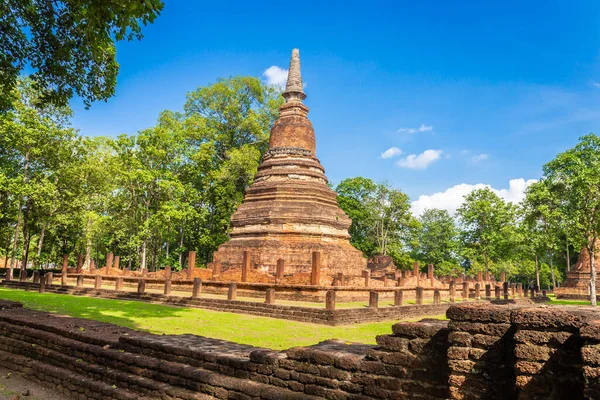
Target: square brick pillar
point(385, 279)
point(167, 291)
point(191, 264)
point(330, 300)
point(79, 263)
point(373, 299)
point(43, 284)
point(477, 291)
point(452, 291)
point(513, 290)
point(116, 262)
point(505, 290)
point(398, 297)
point(340, 277)
point(232, 292)
point(502, 277)
point(79, 281)
point(315, 275)
point(488, 290)
point(49, 277)
point(65, 263)
point(141, 289)
point(419, 296)
point(430, 270)
point(98, 282)
point(280, 270)
point(437, 297)
point(36, 276)
point(245, 265)
point(487, 276)
point(465, 291)
point(270, 296)
point(367, 277)
point(532, 292)
point(119, 284)
point(197, 288)
point(109, 262)
point(216, 269)
point(520, 290)
point(497, 292)
point(416, 272)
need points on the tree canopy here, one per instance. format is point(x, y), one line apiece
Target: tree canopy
point(69, 45)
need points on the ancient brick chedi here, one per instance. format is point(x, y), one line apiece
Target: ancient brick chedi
point(289, 211)
point(578, 279)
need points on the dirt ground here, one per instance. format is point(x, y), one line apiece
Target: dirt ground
point(14, 386)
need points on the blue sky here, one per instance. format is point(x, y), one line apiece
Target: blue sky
point(468, 93)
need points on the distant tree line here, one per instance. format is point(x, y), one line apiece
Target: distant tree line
point(147, 197)
point(534, 242)
point(152, 196)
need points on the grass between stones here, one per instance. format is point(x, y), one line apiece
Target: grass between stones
point(156, 318)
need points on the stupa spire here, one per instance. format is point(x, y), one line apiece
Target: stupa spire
point(293, 87)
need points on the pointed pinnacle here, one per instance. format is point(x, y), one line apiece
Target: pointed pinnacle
point(293, 88)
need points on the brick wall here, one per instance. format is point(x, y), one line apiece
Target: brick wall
point(482, 352)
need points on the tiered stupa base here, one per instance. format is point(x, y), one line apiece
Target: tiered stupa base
point(296, 251)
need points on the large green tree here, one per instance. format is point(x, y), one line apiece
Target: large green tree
point(575, 175)
point(487, 226)
point(437, 238)
point(381, 218)
point(69, 45)
point(36, 141)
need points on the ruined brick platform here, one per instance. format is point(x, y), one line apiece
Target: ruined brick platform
point(576, 284)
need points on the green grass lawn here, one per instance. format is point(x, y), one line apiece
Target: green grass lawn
point(554, 301)
point(156, 318)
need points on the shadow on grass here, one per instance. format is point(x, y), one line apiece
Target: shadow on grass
point(119, 312)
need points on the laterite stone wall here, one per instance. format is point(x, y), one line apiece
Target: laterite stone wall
point(482, 352)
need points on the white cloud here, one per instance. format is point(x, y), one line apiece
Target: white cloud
point(596, 84)
point(420, 161)
point(480, 157)
point(276, 75)
point(452, 198)
point(464, 152)
point(422, 128)
point(391, 152)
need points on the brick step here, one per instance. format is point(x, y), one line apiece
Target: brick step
point(66, 381)
point(136, 371)
point(98, 370)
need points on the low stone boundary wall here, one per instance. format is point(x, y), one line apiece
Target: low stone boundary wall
point(305, 293)
point(483, 352)
point(303, 314)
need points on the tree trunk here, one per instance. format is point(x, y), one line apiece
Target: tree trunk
point(143, 262)
point(568, 257)
point(592, 274)
point(552, 269)
point(15, 244)
point(40, 244)
point(87, 263)
point(180, 248)
point(6, 253)
point(26, 238)
point(537, 273)
point(485, 259)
